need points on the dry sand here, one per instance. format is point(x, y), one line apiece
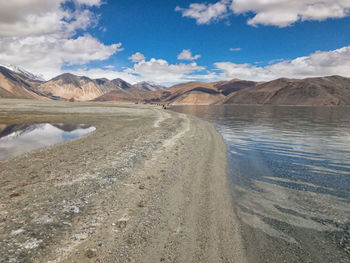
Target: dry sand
point(148, 185)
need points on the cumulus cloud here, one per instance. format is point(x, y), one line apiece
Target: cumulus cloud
point(46, 54)
point(286, 12)
point(90, 2)
point(41, 17)
point(186, 54)
point(279, 13)
point(137, 57)
point(205, 13)
point(160, 71)
point(154, 70)
point(320, 63)
point(40, 35)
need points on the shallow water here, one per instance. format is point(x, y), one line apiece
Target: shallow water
point(290, 173)
point(18, 139)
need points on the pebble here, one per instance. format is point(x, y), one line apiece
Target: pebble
point(122, 223)
point(90, 253)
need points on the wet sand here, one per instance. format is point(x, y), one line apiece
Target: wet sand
point(147, 186)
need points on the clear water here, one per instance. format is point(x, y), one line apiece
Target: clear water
point(18, 139)
point(290, 173)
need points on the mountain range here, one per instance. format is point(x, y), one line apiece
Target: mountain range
point(332, 90)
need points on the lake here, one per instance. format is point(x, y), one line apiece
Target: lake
point(289, 169)
point(18, 139)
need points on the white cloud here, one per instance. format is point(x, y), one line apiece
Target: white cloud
point(137, 57)
point(90, 2)
point(155, 70)
point(160, 71)
point(186, 54)
point(320, 63)
point(46, 54)
point(39, 35)
point(205, 13)
point(39, 17)
point(286, 12)
point(232, 49)
point(109, 66)
point(279, 13)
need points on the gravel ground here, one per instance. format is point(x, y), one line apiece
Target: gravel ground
point(148, 185)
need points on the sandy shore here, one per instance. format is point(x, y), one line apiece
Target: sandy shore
point(147, 186)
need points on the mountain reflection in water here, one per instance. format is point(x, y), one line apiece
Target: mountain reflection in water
point(290, 174)
point(18, 139)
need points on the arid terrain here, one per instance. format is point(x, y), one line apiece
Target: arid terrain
point(148, 185)
point(320, 91)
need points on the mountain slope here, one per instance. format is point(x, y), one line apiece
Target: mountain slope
point(69, 86)
point(121, 84)
point(16, 85)
point(198, 92)
point(227, 87)
point(23, 72)
point(333, 90)
point(186, 93)
point(147, 86)
point(192, 93)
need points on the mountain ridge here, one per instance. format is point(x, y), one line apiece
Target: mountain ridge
point(23, 72)
point(329, 90)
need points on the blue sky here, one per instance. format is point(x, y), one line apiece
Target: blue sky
point(178, 41)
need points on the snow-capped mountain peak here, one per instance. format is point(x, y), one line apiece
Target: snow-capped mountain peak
point(23, 72)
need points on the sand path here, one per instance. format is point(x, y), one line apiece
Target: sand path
point(147, 186)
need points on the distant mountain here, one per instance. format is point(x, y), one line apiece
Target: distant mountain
point(227, 87)
point(24, 72)
point(69, 86)
point(148, 86)
point(194, 93)
point(333, 90)
point(198, 92)
point(121, 84)
point(17, 85)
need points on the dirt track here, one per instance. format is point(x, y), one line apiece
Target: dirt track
point(147, 186)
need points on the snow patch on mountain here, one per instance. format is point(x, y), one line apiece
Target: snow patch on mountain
point(23, 72)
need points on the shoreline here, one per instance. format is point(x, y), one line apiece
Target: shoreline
point(147, 186)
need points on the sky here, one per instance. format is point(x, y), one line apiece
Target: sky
point(169, 42)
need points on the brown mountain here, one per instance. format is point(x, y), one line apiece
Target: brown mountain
point(122, 84)
point(187, 93)
point(146, 86)
point(16, 85)
point(227, 87)
point(197, 92)
point(69, 86)
point(333, 90)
